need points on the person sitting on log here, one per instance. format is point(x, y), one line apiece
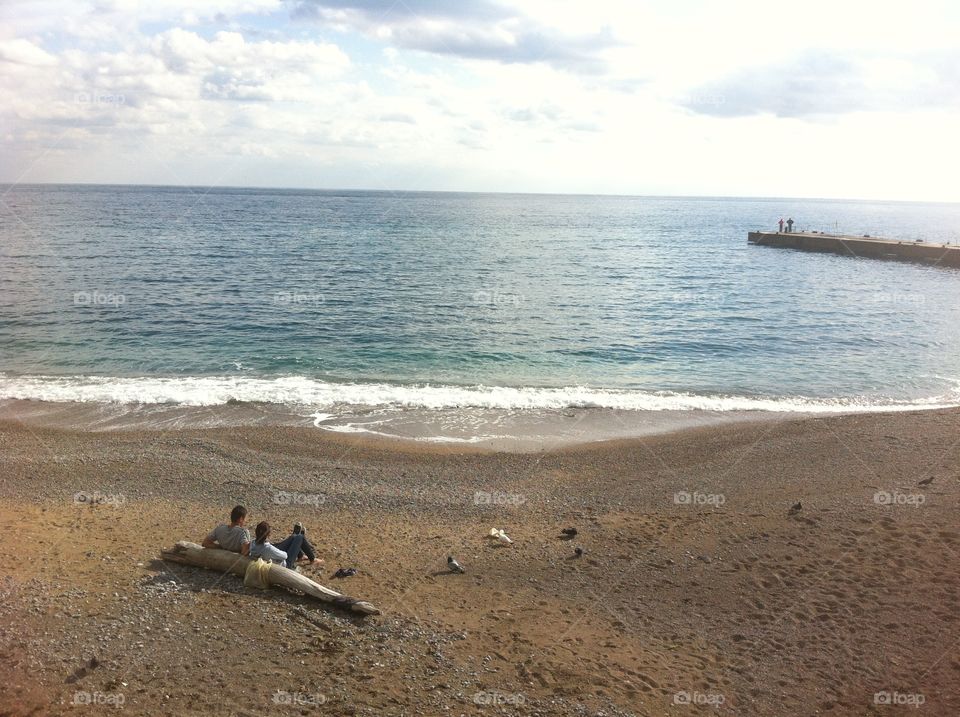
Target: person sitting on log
point(233, 537)
point(285, 552)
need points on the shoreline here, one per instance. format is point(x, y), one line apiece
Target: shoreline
point(697, 582)
point(495, 430)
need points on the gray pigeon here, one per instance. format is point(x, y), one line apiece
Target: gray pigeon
point(454, 566)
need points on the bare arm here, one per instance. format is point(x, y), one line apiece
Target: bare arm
point(245, 549)
point(210, 541)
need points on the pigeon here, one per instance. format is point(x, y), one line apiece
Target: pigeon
point(926, 481)
point(578, 551)
point(569, 532)
point(454, 566)
point(345, 572)
point(795, 508)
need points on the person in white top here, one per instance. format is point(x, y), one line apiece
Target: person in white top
point(262, 548)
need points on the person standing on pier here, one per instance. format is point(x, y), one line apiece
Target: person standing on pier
point(780, 231)
point(790, 226)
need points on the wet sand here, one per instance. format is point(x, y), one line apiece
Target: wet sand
point(519, 430)
point(697, 585)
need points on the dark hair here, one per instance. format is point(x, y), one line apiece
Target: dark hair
point(238, 513)
point(263, 530)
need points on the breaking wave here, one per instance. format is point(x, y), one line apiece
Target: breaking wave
point(314, 393)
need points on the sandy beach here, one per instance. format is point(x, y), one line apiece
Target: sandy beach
point(698, 591)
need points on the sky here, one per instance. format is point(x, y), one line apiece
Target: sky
point(844, 99)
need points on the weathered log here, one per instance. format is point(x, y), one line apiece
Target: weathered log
point(223, 560)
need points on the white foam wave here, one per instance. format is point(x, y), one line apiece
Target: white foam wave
point(365, 428)
point(302, 391)
point(319, 417)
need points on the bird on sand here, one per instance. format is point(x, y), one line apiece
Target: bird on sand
point(454, 566)
point(795, 508)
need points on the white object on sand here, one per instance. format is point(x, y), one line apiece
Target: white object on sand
point(498, 534)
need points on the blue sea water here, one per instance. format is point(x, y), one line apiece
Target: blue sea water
point(326, 299)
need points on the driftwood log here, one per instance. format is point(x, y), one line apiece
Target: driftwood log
point(227, 562)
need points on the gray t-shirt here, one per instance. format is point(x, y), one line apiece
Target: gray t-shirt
point(231, 539)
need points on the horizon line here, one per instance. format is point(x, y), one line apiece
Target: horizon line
point(210, 187)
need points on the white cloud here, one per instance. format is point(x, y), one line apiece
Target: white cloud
point(535, 95)
point(482, 29)
point(168, 77)
point(828, 83)
point(228, 67)
point(23, 52)
point(106, 21)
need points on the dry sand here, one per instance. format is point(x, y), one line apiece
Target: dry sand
point(726, 600)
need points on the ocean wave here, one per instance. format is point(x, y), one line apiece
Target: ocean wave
point(317, 394)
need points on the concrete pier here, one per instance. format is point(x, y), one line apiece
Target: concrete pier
point(868, 247)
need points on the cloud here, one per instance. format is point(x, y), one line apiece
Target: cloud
point(524, 45)
point(185, 51)
point(545, 112)
point(176, 84)
point(821, 83)
point(229, 67)
point(472, 30)
point(527, 95)
point(104, 21)
point(24, 52)
point(432, 9)
point(549, 119)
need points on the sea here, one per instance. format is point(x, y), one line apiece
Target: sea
point(511, 320)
